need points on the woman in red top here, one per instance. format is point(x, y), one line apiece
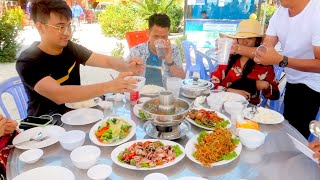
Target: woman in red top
point(7, 133)
point(242, 75)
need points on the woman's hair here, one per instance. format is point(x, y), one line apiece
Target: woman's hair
point(41, 9)
point(248, 66)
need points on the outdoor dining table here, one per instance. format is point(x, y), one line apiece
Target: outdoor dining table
point(276, 159)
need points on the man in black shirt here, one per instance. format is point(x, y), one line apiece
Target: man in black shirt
point(49, 69)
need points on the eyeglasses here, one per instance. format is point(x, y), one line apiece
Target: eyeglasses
point(64, 29)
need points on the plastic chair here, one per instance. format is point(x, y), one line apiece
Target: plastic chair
point(136, 37)
point(205, 71)
point(14, 87)
point(187, 46)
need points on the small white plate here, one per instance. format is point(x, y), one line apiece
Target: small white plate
point(207, 128)
point(99, 172)
point(52, 132)
point(31, 156)
point(82, 116)
point(264, 116)
point(53, 172)
point(83, 104)
point(94, 139)
point(156, 176)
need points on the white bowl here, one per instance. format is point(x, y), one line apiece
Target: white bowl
point(99, 172)
point(141, 82)
point(251, 138)
point(156, 176)
point(72, 139)
point(233, 107)
point(85, 157)
point(31, 156)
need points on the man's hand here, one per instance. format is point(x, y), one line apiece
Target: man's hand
point(168, 52)
point(241, 92)
point(315, 146)
point(136, 66)
point(123, 83)
point(261, 85)
point(271, 57)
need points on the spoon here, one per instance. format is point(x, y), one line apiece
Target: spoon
point(314, 128)
point(38, 137)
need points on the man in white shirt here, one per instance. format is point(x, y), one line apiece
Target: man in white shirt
point(295, 25)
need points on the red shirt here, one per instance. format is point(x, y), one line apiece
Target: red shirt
point(259, 72)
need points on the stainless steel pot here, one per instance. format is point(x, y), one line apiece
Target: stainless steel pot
point(195, 87)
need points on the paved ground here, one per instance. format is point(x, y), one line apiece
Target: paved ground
point(89, 36)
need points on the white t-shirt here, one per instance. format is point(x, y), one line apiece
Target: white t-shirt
point(297, 36)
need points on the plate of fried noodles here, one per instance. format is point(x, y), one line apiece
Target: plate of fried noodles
point(213, 148)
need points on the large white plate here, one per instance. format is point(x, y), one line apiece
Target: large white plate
point(53, 133)
point(265, 116)
point(94, 139)
point(117, 150)
point(190, 149)
point(40, 173)
point(83, 104)
point(303, 148)
point(227, 96)
point(219, 114)
point(82, 116)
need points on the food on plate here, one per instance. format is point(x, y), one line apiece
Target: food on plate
point(151, 89)
point(215, 146)
point(149, 154)
point(264, 115)
point(83, 104)
point(113, 130)
point(209, 119)
point(142, 115)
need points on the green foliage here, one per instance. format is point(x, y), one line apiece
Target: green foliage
point(149, 7)
point(178, 43)
point(270, 10)
point(118, 51)
point(117, 19)
point(175, 13)
point(8, 45)
point(13, 16)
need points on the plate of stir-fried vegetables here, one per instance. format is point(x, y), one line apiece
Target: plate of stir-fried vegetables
point(213, 148)
point(148, 154)
point(208, 119)
point(112, 131)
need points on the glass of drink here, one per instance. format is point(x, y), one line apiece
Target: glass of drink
point(160, 45)
point(174, 84)
point(223, 50)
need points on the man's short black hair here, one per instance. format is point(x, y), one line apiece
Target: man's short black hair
point(203, 12)
point(160, 19)
point(41, 9)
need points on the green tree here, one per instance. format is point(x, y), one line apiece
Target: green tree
point(149, 7)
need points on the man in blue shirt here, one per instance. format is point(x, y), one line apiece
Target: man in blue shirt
point(158, 70)
point(76, 13)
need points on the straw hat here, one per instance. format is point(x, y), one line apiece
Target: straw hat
point(247, 29)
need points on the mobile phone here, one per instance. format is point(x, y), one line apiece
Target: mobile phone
point(36, 121)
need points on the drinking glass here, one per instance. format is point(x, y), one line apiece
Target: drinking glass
point(174, 84)
point(160, 48)
point(223, 51)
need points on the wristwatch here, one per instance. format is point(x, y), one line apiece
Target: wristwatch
point(169, 64)
point(284, 62)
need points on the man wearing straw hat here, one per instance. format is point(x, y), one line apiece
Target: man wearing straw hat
point(295, 26)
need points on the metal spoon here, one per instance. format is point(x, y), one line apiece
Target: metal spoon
point(314, 128)
point(38, 137)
